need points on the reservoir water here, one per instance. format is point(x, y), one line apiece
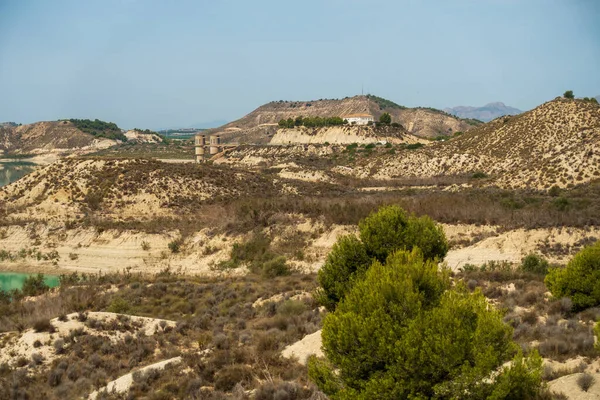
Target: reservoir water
point(13, 280)
point(10, 171)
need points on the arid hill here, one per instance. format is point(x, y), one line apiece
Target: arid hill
point(126, 188)
point(59, 137)
point(557, 143)
point(257, 126)
point(43, 137)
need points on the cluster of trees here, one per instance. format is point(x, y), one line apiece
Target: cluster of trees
point(311, 122)
point(398, 328)
point(384, 103)
point(98, 128)
point(569, 95)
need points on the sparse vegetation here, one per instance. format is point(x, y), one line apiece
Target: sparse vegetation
point(585, 381)
point(240, 344)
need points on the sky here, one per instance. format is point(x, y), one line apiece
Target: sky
point(175, 63)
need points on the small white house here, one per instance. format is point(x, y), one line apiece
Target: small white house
point(358, 119)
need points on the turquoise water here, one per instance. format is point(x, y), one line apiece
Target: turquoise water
point(10, 171)
point(13, 280)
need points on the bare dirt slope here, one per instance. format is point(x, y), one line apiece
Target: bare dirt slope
point(424, 122)
point(557, 143)
point(344, 134)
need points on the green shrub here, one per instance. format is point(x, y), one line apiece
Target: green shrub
point(256, 248)
point(381, 233)
point(580, 280)
point(347, 258)
point(554, 191)
point(479, 175)
point(414, 146)
point(385, 118)
point(403, 332)
point(534, 264)
point(561, 203)
point(175, 246)
point(391, 228)
point(275, 267)
point(119, 305)
point(34, 285)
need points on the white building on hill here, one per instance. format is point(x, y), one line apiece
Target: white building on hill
point(358, 119)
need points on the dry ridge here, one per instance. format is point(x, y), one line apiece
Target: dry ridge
point(124, 188)
point(557, 143)
point(260, 124)
point(59, 137)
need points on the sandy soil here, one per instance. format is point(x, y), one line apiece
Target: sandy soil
point(512, 246)
point(123, 383)
point(568, 385)
point(86, 250)
point(23, 345)
point(337, 135)
point(309, 345)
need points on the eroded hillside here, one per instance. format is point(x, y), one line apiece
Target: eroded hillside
point(52, 136)
point(556, 144)
point(64, 137)
point(140, 189)
point(257, 125)
point(344, 134)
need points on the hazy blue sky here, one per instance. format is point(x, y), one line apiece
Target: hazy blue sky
point(161, 63)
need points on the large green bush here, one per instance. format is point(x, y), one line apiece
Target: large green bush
point(580, 280)
point(403, 332)
point(347, 259)
point(535, 264)
point(381, 233)
point(391, 228)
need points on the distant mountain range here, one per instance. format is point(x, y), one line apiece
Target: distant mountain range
point(486, 113)
point(598, 98)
